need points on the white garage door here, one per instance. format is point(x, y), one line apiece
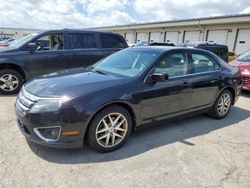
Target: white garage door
point(243, 41)
point(172, 37)
point(130, 38)
point(218, 36)
point(142, 37)
point(192, 36)
point(156, 37)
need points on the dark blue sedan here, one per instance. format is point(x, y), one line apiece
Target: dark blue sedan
point(102, 104)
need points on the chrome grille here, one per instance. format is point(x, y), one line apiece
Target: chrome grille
point(25, 100)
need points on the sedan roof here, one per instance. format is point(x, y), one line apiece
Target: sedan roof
point(166, 48)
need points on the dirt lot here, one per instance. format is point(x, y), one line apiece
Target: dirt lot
point(194, 152)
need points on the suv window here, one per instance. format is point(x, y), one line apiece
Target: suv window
point(50, 42)
point(112, 41)
point(82, 40)
point(203, 63)
point(174, 65)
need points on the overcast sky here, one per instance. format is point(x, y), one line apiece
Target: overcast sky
point(91, 13)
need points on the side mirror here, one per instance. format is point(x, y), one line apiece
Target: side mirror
point(31, 47)
point(159, 77)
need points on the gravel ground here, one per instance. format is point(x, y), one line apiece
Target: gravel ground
point(192, 152)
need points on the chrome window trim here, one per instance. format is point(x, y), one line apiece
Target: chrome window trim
point(186, 75)
point(193, 74)
point(36, 130)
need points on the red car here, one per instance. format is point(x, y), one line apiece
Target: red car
point(6, 43)
point(243, 63)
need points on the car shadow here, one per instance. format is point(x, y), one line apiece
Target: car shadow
point(6, 96)
point(145, 139)
point(245, 93)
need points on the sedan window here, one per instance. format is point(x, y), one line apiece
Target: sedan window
point(174, 65)
point(203, 63)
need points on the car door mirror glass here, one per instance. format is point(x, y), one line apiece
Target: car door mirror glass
point(31, 47)
point(159, 77)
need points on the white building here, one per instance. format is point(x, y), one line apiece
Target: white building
point(231, 30)
point(15, 33)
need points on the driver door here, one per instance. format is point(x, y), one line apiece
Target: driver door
point(172, 97)
point(49, 55)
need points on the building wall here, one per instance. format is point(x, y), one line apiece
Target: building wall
point(16, 33)
point(232, 30)
point(194, 29)
point(224, 29)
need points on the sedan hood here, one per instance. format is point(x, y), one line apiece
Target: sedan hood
point(71, 83)
point(7, 50)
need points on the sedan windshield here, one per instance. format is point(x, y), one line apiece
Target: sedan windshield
point(129, 63)
point(245, 56)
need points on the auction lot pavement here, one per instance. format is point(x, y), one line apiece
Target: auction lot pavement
point(192, 152)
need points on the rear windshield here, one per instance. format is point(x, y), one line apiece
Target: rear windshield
point(112, 41)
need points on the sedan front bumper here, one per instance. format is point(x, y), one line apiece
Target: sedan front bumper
point(29, 124)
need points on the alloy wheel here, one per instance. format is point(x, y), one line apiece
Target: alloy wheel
point(111, 130)
point(224, 104)
point(8, 82)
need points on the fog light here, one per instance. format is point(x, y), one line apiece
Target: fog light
point(48, 133)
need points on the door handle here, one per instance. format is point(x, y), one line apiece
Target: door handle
point(185, 82)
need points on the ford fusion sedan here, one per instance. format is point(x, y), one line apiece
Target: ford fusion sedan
point(102, 104)
point(243, 63)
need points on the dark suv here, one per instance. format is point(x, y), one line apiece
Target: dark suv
point(220, 50)
point(45, 52)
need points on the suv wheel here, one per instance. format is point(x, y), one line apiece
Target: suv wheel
point(10, 81)
point(110, 129)
point(222, 105)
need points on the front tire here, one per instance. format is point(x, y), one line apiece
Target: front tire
point(109, 129)
point(222, 105)
point(10, 81)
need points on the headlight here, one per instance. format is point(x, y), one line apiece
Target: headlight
point(245, 71)
point(48, 105)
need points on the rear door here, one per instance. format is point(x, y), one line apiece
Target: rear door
point(83, 49)
point(206, 79)
point(49, 55)
point(111, 43)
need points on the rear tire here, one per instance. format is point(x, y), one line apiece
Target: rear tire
point(222, 105)
point(10, 81)
point(109, 129)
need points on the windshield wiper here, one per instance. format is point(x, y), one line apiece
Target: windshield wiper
point(100, 72)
